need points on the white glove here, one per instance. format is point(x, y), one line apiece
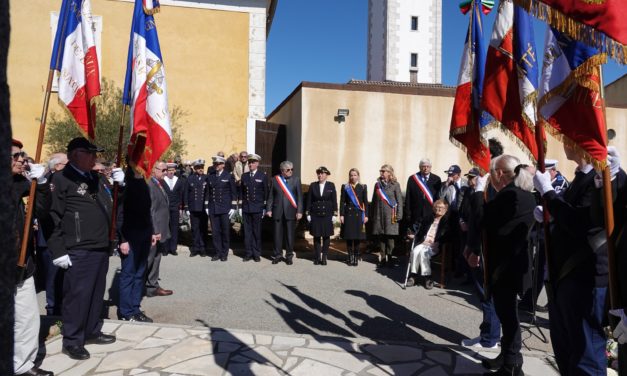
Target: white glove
point(620, 332)
point(308, 218)
point(231, 212)
point(482, 182)
point(239, 211)
point(117, 175)
point(207, 211)
point(613, 160)
point(334, 219)
point(62, 262)
point(538, 214)
point(187, 213)
point(542, 182)
point(37, 173)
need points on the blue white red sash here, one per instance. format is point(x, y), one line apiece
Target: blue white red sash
point(384, 197)
point(286, 191)
point(424, 188)
point(350, 191)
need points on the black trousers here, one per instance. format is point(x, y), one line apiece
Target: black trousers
point(506, 307)
point(252, 233)
point(220, 233)
point(284, 230)
point(321, 246)
point(174, 231)
point(83, 293)
point(200, 226)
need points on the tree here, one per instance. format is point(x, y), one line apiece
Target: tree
point(62, 128)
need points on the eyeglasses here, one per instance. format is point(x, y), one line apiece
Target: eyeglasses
point(288, 169)
point(20, 154)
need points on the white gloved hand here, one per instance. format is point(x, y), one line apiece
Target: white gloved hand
point(334, 219)
point(187, 213)
point(308, 218)
point(37, 173)
point(117, 175)
point(207, 211)
point(239, 211)
point(620, 332)
point(542, 182)
point(482, 182)
point(231, 212)
point(538, 214)
point(62, 262)
point(613, 160)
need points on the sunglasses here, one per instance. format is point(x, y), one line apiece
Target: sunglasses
point(288, 169)
point(20, 154)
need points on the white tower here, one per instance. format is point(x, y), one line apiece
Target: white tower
point(405, 41)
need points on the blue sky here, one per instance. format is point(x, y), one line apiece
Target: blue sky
point(326, 41)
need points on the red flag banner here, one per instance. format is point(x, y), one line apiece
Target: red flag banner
point(597, 23)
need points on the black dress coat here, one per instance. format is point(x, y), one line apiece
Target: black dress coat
point(417, 206)
point(353, 228)
point(321, 208)
point(507, 220)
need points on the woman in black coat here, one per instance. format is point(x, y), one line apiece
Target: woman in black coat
point(321, 214)
point(353, 214)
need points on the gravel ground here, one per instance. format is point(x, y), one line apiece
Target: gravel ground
point(332, 300)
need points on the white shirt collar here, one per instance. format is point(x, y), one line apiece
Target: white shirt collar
point(585, 168)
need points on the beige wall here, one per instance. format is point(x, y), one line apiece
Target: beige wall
point(205, 54)
point(398, 129)
point(291, 115)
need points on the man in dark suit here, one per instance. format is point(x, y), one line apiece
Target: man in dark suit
point(252, 195)
point(160, 213)
point(422, 190)
point(285, 207)
point(221, 204)
point(194, 203)
point(175, 187)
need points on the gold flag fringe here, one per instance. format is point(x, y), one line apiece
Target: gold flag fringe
point(461, 146)
point(598, 165)
point(575, 29)
point(517, 141)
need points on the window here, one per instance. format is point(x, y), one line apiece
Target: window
point(414, 60)
point(414, 23)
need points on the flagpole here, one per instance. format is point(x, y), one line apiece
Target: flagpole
point(21, 261)
point(116, 185)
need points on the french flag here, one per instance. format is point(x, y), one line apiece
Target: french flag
point(510, 86)
point(469, 122)
point(74, 57)
point(570, 103)
point(145, 91)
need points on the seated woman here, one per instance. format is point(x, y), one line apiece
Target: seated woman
point(427, 241)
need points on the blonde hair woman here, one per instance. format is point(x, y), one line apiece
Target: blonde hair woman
point(353, 214)
point(387, 209)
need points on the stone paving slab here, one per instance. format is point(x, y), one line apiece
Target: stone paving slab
point(173, 350)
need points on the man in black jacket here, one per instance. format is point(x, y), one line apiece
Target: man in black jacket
point(81, 212)
point(578, 273)
point(175, 188)
point(423, 188)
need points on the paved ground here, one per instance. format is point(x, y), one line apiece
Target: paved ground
point(362, 305)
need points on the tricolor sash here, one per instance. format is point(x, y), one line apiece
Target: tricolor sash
point(350, 191)
point(286, 191)
point(424, 188)
point(384, 197)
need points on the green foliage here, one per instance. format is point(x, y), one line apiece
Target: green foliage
point(61, 128)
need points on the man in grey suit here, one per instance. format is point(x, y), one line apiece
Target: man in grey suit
point(160, 213)
point(285, 207)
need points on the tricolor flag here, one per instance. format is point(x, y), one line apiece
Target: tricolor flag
point(74, 56)
point(509, 91)
point(570, 104)
point(145, 91)
point(469, 121)
point(597, 23)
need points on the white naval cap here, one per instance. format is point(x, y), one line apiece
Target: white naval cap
point(254, 157)
point(550, 163)
point(198, 162)
point(218, 159)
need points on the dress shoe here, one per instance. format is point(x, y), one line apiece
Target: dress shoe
point(203, 254)
point(428, 283)
point(257, 259)
point(76, 352)
point(37, 372)
point(102, 339)
point(507, 370)
point(161, 292)
point(141, 317)
point(223, 258)
point(215, 258)
point(174, 253)
point(316, 261)
point(493, 364)
point(246, 259)
point(289, 261)
point(324, 260)
point(276, 260)
point(411, 281)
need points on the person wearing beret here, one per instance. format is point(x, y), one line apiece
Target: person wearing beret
point(387, 210)
point(353, 214)
point(321, 213)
